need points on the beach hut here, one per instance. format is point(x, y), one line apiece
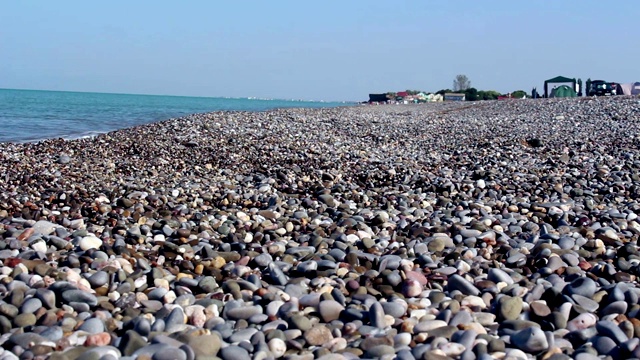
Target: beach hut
point(563, 91)
point(557, 82)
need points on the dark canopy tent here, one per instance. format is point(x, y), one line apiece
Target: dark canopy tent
point(635, 90)
point(558, 80)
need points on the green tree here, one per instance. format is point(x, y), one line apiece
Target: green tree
point(488, 95)
point(443, 91)
point(518, 94)
point(471, 94)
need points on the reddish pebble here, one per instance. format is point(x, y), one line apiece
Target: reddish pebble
point(414, 275)
point(100, 339)
point(584, 265)
point(25, 234)
point(243, 261)
point(12, 262)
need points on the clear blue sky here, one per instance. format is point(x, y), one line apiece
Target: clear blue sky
point(317, 50)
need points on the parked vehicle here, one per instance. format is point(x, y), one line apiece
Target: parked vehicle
point(602, 88)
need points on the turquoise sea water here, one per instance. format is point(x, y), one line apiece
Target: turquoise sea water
point(32, 115)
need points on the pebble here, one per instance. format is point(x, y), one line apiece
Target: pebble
point(330, 310)
point(510, 308)
point(318, 335)
point(531, 340)
point(233, 352)
point(457, 282)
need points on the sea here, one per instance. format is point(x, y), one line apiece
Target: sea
point(34, 115)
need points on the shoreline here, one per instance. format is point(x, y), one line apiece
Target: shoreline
point(34, 116)
point(506, 228)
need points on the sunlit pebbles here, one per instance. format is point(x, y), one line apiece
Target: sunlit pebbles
point(483, 230)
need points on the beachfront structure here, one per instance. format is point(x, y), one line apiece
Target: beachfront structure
point(559, 81)
point(454, 97)
point(403, 97)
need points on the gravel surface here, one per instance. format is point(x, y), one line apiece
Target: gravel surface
point(496, 230)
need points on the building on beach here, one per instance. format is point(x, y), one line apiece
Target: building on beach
point(454, 97)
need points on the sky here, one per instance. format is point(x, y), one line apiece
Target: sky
point(312, 50)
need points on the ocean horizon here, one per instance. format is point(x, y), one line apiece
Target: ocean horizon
point(35, 115)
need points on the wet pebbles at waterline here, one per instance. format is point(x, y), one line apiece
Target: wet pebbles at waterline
point(494, 230)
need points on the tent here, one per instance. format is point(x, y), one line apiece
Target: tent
point(563, 91)
point(630, 88)
point(625, 89)
point(558, 81)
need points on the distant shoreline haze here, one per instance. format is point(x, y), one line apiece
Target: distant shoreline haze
point(184, 96)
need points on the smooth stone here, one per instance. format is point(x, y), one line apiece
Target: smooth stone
point(586, 303)
point(510, 308)
point(610, 329)
point(233, 352)
point(90, 242)
point(318, 335)
point(616, 307)
point(603, 344)
point(24, 320)
point(277, 347)
point(80, 297)
point(531, 340)
point(31, 305)
point(330, 310)
point(130, 342)
point(582, 286)
point(205, 345)
point(47, 297)
point(53, 333)
point(376, 315)
point(300, 322)
point(44, 227)
point(175, 321)
point(498, 275)
point(243, 312)
point(457, 282)
point(428, 325)
point(150, 350)
point(170, 353)
point(92, 326)
point(242, 335)
point(582, 321)
point(208, 284)
point(98, 279)
point(461, 318)
point(586, 356)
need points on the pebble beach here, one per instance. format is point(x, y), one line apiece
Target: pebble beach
point(489, 230)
